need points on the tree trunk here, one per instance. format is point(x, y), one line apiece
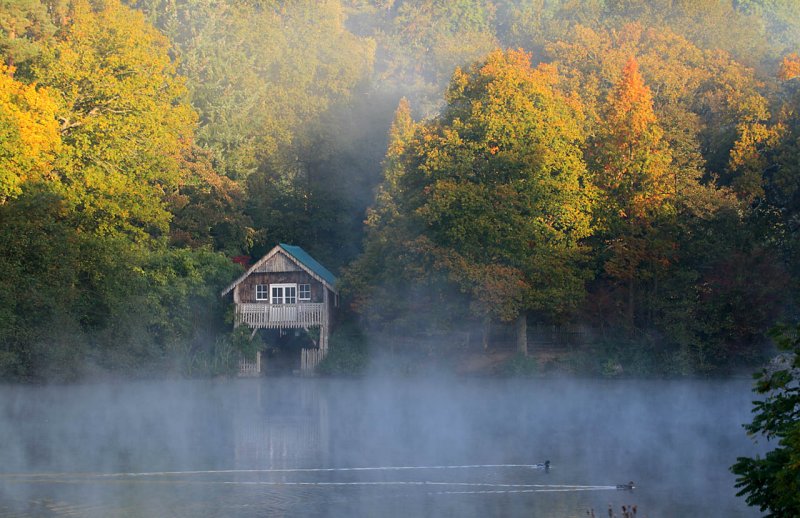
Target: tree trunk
point(522, 334)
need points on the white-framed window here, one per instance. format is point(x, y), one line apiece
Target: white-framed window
point(283, 293)
point(262, 292)
point(304, 292)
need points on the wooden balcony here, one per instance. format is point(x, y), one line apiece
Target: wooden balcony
point(256, 315)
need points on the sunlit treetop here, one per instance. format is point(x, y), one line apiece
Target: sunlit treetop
point(29, 134)
point(124, 116)
point(630, 101)
point(633, 160)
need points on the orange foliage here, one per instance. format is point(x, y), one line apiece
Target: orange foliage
point(790, 67)
point(631, 103)
point(634, 158)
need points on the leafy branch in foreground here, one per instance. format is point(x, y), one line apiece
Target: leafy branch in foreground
point(773, 482)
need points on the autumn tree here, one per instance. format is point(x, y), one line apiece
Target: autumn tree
point(124, 117)
point(494, 191)
point(208, 208)
point(778, 158)
point(632, 168)
point(705, 101)
point(710, 116)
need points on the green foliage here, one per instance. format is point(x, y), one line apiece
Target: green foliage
point(280, 90)
point(75, 303)
point(102, 151)
point(260, 73)
point(348, 354)
point(245, 342)
point(221, 360)
point(424, 42)
point(781, 18)
point(773, 482)
point(207, 209)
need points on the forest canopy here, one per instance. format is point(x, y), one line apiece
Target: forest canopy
point(629, 168)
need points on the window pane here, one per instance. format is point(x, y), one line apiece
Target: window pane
point(277, 295)
point(305, 291)
point(290, 293)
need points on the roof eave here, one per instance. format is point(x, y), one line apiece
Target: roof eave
point(269, 256)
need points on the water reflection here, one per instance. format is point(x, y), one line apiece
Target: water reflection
point(305, 447)
point(280, 425)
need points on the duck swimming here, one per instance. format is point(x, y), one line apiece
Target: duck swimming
point(629, 486)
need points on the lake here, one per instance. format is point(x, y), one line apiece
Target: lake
point(400, 447)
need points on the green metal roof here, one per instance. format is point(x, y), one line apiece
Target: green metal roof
point(309, 262)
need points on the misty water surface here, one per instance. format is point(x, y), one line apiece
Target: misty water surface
point(282, 447)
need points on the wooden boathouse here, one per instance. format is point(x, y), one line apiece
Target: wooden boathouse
point(286, 289)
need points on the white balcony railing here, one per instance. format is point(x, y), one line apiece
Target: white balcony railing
point(257, 315)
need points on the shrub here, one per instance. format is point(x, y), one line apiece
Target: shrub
point(348, 354)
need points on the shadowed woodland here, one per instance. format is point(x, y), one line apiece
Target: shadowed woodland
point(624, 167)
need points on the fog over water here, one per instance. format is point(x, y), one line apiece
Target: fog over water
point(287, 447)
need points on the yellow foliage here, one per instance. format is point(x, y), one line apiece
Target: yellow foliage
point(123, 115)
point(30, 136)
point(748, 157)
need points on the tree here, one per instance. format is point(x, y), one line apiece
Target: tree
point(95, 151)
point(657, 266)
point(284, 105)
point(389, 284)
point(124, 117)
point(493, 193)
point(633, 171)
point(704, 100)
point(773, 482)
point(781, 160)
point(790, 67)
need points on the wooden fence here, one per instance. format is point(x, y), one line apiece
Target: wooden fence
point(250, 368)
